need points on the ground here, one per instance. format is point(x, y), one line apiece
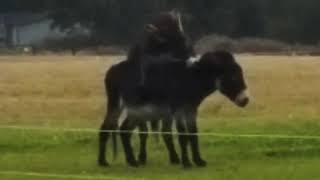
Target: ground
point(67, 92)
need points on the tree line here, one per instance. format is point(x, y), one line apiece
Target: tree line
point(120, 21)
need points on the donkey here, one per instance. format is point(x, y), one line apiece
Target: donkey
point(172, 89)
point(162, 38)
point(165, 36)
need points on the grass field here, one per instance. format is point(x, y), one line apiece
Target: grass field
point(67, 92)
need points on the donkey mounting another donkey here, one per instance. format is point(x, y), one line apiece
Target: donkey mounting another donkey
point(162, 79)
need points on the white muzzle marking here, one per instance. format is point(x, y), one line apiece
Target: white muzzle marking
point(242, 96)
point(192, 60)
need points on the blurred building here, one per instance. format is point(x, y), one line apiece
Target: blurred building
point(30, 29)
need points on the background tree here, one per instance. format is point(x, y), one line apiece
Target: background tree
point(120, 21)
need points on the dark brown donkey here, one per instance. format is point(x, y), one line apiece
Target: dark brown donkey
point(163, 38)
point(172, 89)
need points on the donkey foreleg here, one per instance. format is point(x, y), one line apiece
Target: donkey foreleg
point(168, 139)
point(183, 140)
point(126, 128)
point(191, 117)
point(143, 129)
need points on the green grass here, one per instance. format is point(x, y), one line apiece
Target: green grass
point(229, 158)
point(67, 92)
point(58, 152)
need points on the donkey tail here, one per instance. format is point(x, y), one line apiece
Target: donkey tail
point(114, 104)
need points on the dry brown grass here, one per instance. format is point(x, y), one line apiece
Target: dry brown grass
point(68, 91)
point(282, 85)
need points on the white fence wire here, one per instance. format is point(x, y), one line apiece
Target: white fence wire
point(230, 135)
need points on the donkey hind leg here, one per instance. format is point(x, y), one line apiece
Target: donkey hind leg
point(127, 127)
point(110, 123)
point(192, 128)
point(168, 140)
point(183, 141)
point(143, 143)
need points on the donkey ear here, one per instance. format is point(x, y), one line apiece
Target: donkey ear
point(176, 16)
point(173, 13)
point(150, 28)
point(153, 31)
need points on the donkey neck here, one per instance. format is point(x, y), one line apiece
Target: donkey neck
point(206, 84)
point(195, 85)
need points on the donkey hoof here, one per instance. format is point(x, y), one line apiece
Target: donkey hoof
point(103, 163)
point(142, 160)
point(175, 160)
point(200, 163)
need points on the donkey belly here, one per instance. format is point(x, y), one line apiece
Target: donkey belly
point(147, 111)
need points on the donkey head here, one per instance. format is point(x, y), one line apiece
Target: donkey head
point(166, 35)
point(227, 75)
